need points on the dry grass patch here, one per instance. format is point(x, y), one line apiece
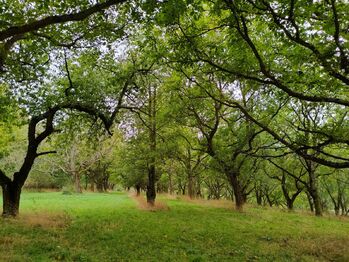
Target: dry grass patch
point(8, 245)
point(221, 203)
point(8, 242)
point(45, 220)
point(144, 205)
point(327, 248)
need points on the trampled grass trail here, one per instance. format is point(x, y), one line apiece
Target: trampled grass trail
point(111, 227)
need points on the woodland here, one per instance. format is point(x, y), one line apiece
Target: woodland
point(226, 99)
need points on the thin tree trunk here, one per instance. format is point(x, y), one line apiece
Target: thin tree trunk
point(310, 201)
point(315, 193)
point(170, 183)
point(151, 191)
point(259, 195)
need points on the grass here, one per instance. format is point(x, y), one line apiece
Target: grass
point(112, 227)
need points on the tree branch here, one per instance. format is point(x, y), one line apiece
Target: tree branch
point(56, 19)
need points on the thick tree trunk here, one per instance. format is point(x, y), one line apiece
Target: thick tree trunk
point(138, 189)
point(77, 183)
point(151, 191)
point(11, 193)
point(191, 191)
point(238, 192)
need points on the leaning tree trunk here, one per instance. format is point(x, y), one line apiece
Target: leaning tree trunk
point(258, 196)
point(11, 193)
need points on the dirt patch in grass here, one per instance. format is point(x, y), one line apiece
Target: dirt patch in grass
point(143, 205)
point(44, 220)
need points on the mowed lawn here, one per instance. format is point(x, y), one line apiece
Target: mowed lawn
point(111, 227)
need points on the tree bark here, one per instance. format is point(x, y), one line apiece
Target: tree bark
point(238, 191)
point(77, 183)
point(258, 196)
point(314, 192)
point(317, 202)
point(138, 189)
point(310, 201)
point(11, 193)
point(151, 191)
point(191, 191)
point(170, 188)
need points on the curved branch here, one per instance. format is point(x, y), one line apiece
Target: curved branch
point(56, 19)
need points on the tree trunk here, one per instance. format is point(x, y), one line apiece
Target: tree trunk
point(270, 202)
point(238, 192)
point(191, 191)
point(151, 191)
point(100, 186)
point(313, 190)
point(11, 193)
point(310, 201)
point(77, 182)
point(258, 196)
point(317, 203)
point(289, 203)
point(170, 188)
point(198, 187)
point(289, 200)
point(138, 189)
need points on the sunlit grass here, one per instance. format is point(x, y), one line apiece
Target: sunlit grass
point(112, 227)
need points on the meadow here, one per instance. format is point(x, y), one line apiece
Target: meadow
point(117, 227)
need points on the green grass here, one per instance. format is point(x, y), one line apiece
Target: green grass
point(110, 227)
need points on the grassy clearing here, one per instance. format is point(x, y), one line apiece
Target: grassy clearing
point(111, 227)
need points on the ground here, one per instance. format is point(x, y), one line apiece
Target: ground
point(112, 227)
